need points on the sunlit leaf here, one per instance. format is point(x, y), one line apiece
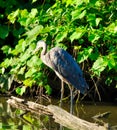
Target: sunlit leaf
point(35, 61)
point(112, 28)
point(99, 65)
point(6, 49)
point(83, 13)
point(108, 81)
point(34, 1)
point(77, 34)
point(93, 37)
point(30, 72)
point(7, 62)
point(28, 118)
point(33, 12)
point(61, 36)
point(26, 127)
point(13, 16)
point(68, 2)
point(111, 58)
point(78, 14)
point(61, 45)
point(98, 21)
point(21, 90)
point(48, 89)
point(83, 55)
point(22, 70)
point(10, 81)
point(24, 57)
point(32, 34)
point(24, 15)
point(28, 82)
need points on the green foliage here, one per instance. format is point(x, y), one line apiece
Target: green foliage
point(90, 27)
point(3, 32)
point(20, 90)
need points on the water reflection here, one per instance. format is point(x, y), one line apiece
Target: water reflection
point(16, 119)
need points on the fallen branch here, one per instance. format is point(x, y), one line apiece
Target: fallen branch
point(61, 116)
point(103, 115)
point(29, 106)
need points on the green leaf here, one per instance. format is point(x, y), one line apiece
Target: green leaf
point(83, 55)
point(93, 37)
point(108, 81)
point(35, 61)
point(22, 70)
point(2, 70)
point(21, 90)
point(33, 13)
point(112, 28)
point(68, 2)
point(98, 21)
point(78, 33)
point(111, 64)
point(61, 45)
point(60, 36)
point(94, 56)
point(32, 34)
point(48, 89)
point(20, 47)
point(78, 14)
point(7, 62)
point(24, 57)
point(6, 49)
point(91, 18)
point(111, 58)
point(12, 17)
point(30, 72)
point(24, 15)
point(33, 1)
point(47, 29)
point(72, 2)
point(75, 14)
point(28, 82)
point(28, 118)
point(75, 35)
point(99, 65)
point(82, 14)
point(4, 31)
point(26, 127)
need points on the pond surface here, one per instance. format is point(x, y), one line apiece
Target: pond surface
point(16, 119)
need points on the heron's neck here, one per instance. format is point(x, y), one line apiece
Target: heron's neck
point(44, 50)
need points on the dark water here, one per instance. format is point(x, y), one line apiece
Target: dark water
point(15, 119)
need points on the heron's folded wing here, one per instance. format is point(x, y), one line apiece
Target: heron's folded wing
point(67, 69)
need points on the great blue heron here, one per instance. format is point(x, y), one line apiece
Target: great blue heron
point(65, 68)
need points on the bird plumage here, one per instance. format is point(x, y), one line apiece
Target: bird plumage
point(64, 66)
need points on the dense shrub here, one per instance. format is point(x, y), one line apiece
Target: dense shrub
point(87, 29)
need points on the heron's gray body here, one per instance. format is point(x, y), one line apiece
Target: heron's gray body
point(65, 67)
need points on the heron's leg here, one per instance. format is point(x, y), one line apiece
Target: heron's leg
point(71, 99)
point(62, 92)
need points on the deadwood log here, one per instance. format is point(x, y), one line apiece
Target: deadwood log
point(61, 116)
point(28, 106)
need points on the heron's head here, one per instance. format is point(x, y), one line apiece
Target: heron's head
point(40, 44)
